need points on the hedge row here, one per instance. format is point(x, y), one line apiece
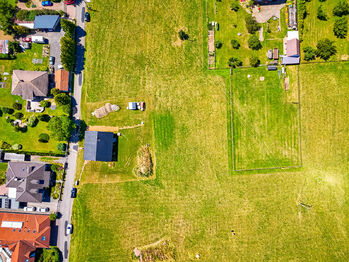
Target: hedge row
point(50, 153)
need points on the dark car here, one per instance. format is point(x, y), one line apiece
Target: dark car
point(73, 192)
point(46, 3)
point(52, 60)
point(87, 17)
point(69, 2)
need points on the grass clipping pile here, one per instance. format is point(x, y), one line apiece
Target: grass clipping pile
point(144, 162)
point(161, 251)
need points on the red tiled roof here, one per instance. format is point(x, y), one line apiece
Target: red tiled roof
point(34, 233)
point(62, 80)
point(292, 47)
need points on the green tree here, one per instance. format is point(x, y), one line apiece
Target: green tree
point(254, 61)
point(340, 28)
point(309, 53)
point(251, 24)
point(68, 28)
point(62, 99)
point(68, 53)
point(50, 255)
point(21, 30)
point(7, 110)
point(61, 146)
point(321, 14)
point(342, 8)
point(44, 138)
point(325, 49)
point(45, 103)
point(61, 127)
point(44, 117)
point(18, 115)
point(218, 44)
point(32, 121)
point(235, 44)
point(183, 35)
point(254, 43)
point(53, 216)
point(234, 62)
point(55, 91)
point(235, 6)
point(17, 106)
point(7, 12)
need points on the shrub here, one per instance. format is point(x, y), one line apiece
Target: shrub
point(17, 106)
point(55, 91)
point(17, 128)
point(235, 44)
point(218, 44)
point(68, 53)
point(45, 103)
point(44, 138)
point(44, 117)
point(341, 9)
point(5, 145)
point(254, 61)
point(321, 14)
point(56, 168)
point(340, 28)
point(235, 6)
point(53, 216)
point(309, 53)
point(251, 24)
point(17, 147)
point(18, 115)
point(325, 49)
point(7, 110)
point(32, 121)
point(61, 146)
point(234, 62)
point(62, 99)
point(183, 35)
point(254, 43)
point(1, 113)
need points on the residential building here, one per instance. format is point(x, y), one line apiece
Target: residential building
point(62, 80)
point(293, 48)
point(26, 181)
point(46, 22)
point(21, 235)
point(98, 146)
point(29, 84)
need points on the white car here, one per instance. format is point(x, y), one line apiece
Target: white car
point(60, 66)
point(44, 209)
point(30, 209)
point(69, 229)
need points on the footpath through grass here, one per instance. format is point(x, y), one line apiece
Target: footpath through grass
point(195, 200)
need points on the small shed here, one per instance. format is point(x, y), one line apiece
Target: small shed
point(276, 54)
point(14, 157)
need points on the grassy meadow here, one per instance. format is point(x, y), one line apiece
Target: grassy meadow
point(265, 121)
point(196, 199)
point(315, 29)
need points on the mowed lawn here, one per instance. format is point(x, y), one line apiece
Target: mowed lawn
point(315, 29)
point(265, 121)
point(195, 200)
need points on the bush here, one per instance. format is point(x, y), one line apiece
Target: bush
point(235, 44)
point(32, 121)
point(325, 49)
point(68, 53)
point(254, 61)
point(45, 103)
point(7, 110)
point(309, 53)
point(62, 99)
point(321, 14)
point(53, 216)
point(61, 146)
point(18, 115)
point(251, 24)
point(340, 28)
point(56, 168)
point(1, 113)
point(17, 147)
point(61, 127)
point(55, 91)
point(218, 44)
point(5, 145)
point(44, 138)
point(17, 106)
point(234, 62)
point(235, 6)
point(44, 117)
point(183, 35)
point(341, 9)
point(254, 43)
point(17, 128)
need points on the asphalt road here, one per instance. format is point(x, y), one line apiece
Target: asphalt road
point(65, 206)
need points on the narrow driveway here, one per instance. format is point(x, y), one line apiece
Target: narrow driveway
point(65, 206)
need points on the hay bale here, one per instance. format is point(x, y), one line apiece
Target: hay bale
point(105, 110)
point(144, 162)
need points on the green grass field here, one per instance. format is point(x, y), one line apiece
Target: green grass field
point(196, 200)
point(265, 121)
point(315, 29)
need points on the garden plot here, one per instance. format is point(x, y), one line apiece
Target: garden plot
point(265, 121)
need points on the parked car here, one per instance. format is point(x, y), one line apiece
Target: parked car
point(69, 229)
point(38, 39)
point(69, 2)
point(73, 192)
point(87, 17)
point(44, 209)
point(52, 60)
point(31, 209)
point(60, 66)
point(46, 3)
point(27, 39)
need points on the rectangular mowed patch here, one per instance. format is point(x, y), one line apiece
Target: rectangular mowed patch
point(265, 120)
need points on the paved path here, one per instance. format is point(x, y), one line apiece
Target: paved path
point(66, 205)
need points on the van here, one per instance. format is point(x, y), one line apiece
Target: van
point(38, 39)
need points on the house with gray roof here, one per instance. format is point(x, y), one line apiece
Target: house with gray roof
point(29, 84)
point(46, 22)
point(98, 146)
point(26, 181)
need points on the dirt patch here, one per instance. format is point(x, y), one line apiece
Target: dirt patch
point(5, 37)
point(113, 129)
point(144, 162)
point(177, 41)
point(343, 57)
point(160, 251)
